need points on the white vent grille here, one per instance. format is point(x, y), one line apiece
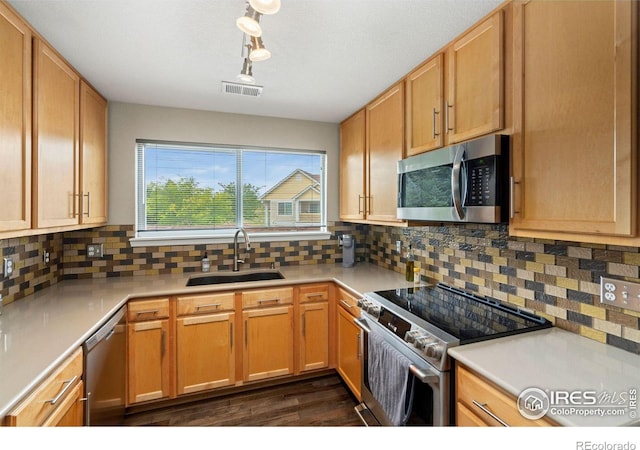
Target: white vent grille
point(250, 90)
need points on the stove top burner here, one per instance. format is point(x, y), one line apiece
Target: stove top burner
point(467, 317)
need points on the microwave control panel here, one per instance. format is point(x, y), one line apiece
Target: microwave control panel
point(481, 181)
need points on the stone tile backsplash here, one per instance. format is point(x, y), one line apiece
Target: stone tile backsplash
point(556, 279)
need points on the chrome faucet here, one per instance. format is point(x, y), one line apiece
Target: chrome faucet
point(247, 244)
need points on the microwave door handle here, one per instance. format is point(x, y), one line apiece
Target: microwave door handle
point(455, 182)
point(400, 189)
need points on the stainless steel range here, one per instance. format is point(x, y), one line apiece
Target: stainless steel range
point(407, 374)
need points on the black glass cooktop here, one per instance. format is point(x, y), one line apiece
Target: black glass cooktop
point(468, 317)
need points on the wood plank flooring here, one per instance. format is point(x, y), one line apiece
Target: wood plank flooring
point(323, 401)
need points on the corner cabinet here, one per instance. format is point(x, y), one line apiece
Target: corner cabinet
point(313, 327)
point(574, 159)
point(349, 342)
point(15, 122)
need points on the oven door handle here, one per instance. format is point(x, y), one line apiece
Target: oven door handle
point(424, 375)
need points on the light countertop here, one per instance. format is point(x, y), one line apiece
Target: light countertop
point(39, 331)
point(555, 360)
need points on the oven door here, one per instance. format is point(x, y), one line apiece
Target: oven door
point(432, 391)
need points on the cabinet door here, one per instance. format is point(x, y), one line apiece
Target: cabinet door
point(352, 167)
point(148, 360)
point(349, 352)
point(574, 153)
point(476, 90)
point(424, 114)
point(205, 352)
point(314, 336)
point(55, 143)
point(15, 122)
point(268, 343)
point(93, 156)
point(385, 146)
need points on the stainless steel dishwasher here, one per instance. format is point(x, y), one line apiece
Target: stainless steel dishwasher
point(104, 372)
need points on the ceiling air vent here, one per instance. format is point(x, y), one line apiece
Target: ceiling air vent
point(250, 90)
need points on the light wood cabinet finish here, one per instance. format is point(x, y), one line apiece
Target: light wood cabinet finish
point(424, 106)
point(93, 156)
point(475, 96)
point(473, 390)
point(267, 297)
point(346, 300)
point(149, 309)
point(313, 336)
point(575, 146)
point(205, 352)
point(385, 146)
point(15, 122)
point(268, 342)
point(55, 400)
point(349, 350)
point(55, 139)
point(313, 293)
point(205, 303)
point(352, 167)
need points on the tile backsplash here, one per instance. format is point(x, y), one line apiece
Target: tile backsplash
point(556, 279)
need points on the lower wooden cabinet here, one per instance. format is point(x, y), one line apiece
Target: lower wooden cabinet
point(349, 347)
point(205, 352)
point(268, 342)
point(314, 336)
point(148, 350)
point(479, 402)
point(57, 401)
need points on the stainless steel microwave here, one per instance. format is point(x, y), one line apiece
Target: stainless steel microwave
point(465, 182)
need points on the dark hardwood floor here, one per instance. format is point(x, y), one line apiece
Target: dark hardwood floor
point(323, 401)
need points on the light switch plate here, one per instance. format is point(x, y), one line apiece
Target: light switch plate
point(398, 246)
point(94, 251)
point(621, 293)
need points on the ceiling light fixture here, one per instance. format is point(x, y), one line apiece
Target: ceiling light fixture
point(257, 51)
point(246, 75)
point(250, 22)
point(265, 6)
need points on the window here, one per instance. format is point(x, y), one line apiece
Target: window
point(186, 190)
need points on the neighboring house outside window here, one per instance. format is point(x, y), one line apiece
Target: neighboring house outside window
point(294, 201)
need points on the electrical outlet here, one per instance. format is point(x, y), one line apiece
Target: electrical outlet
point(46, 257)
point(8, 267)
point(398, 246)
point(94, 251)
point(624, 294)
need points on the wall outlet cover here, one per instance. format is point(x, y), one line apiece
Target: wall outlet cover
point(8, 267)
point(94, 251)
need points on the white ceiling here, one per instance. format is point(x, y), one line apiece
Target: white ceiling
point(330, 57)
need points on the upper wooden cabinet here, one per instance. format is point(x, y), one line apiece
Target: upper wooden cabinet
point(574, 148)
point(475, 92)
point(352, 167)
point(15, 122)
point(93, 156)
point(424, 103)
point(385, 146)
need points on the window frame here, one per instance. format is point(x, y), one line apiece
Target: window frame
point(214, 236)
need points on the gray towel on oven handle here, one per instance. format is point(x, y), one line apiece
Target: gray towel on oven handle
point(390, 381)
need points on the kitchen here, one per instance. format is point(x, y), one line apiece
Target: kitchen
point(554, 276)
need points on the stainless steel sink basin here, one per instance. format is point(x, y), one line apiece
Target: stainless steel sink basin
point(234, 277)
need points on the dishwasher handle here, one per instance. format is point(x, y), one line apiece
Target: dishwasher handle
point(105, 331)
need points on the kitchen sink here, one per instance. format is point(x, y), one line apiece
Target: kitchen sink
point(234, 277)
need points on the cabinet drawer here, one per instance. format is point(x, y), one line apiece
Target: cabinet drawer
point(50, 395)
point(348, 301)
point(205, 303)
point(313, 293)
point(476, 393)
point(267, 297)
point(139, 310)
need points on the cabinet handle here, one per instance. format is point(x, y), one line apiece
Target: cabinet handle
point(512, 199)
point(88, 195)
point(209, 305)
point(149, 311)
point(434, 123)
point(304, 325)
point(67, 385)
point(76, 206)
point(246, 339)
point(269, 300)
point(231, 335)
point(361, 201)
point(345, 303)
point(359, 352)
point(446, 117)
point(483, 407)
point(162, 343)
point(317, 294)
